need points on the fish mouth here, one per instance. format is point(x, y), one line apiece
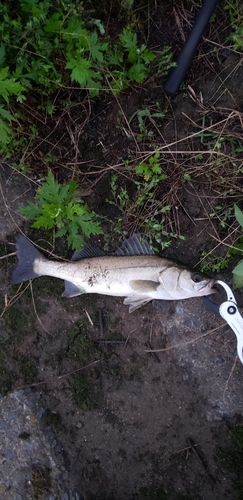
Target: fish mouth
point(207, 286)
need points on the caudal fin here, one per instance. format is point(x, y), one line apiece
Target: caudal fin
point(27, 254)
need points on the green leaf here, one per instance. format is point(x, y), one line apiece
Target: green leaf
point(238, 215)
point(238, 269)
point(44, 221)
point(148, 57)
point(128, 39)
point(5, 114)
point(88, 225)
point(2, 54)
point(63, 230)
point(138, 72)
point(97, 47)
point(31, 211)
point(8, 85)
point(53, 24)
point(50, 190)
point(156, 168)
point(80, 69)
point(238, 275)
point(237, 281)
point(5, 132)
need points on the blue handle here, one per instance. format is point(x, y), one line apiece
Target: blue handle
point(172, 84)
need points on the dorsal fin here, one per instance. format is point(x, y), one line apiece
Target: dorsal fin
point(134, 246)
point(131, 246)
point(88, 251)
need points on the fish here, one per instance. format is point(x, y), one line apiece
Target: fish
point(133, 272)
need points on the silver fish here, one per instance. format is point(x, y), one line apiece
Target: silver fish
point(133, 272)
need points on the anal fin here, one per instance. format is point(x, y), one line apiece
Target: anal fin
point(71, 290)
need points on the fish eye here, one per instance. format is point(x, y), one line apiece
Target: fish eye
point(196, 277)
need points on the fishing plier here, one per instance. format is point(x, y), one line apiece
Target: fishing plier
point(231, 314)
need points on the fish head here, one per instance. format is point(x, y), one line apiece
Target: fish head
point(195, 284)
point(181, 283)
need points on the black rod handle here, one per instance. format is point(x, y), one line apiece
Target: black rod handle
point(173, 82)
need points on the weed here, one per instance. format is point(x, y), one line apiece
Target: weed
point(144, 115)
point(60, 207)
point(238, 248)
point(231, 459)
point(214, 264)
point(234, 10)
point(40, 482)
point(48, 44)
point(8, 86)
point(141, 209)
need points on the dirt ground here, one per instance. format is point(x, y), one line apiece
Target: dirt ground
point(135, 424)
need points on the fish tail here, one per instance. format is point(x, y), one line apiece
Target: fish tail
point(27, 255)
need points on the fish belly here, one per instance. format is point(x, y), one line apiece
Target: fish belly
point(107, 275)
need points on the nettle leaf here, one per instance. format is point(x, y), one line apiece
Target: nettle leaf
point(115, 58)
point(8, 85)
point(238, 215)
point(128, 39)
point(133, 55)
point(97, 47)
point(53, 24)
point(143, 169)
point(75, 240)
point(156, 168)
point(80, 69)
point(73, 210)
point(62, 231)
point(138, 72)
point(44, 221)
point(75, 29)
point(50, 190)
point(2, 54)
point(58, 206)
point(148, 56)
point(73, 186)
point(31, 211)
point(88, 225)
point(54, 211)
point(5, 132)
point(76, 35)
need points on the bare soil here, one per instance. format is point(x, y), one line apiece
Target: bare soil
point(135, 424)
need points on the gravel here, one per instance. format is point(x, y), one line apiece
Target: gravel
point(32, 460)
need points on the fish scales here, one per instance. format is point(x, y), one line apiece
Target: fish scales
point(139, 278)
point(109, 274)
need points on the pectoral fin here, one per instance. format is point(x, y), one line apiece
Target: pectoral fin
point(71, 290)
point(144, 286)
point(135, 302)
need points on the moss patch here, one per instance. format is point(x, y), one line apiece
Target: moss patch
point(82, 350)
point(40, 482)
point(231, 459)
point(28, 369)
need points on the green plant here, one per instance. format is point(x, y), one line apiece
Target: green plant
point(140, 205)
point(8, 86)
point(60, 208)
point(214, 264)
point(151, 168)
point(144, 115)
point(238, 248)
point(46, 44)
point(234, 10)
